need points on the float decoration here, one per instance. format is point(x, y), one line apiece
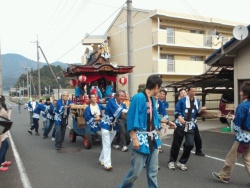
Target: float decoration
point(73, 82)
point(82, 78)
point(123, 80)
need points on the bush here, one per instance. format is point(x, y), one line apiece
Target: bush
point(141, 88)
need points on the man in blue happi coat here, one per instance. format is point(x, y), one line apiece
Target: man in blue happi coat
point(163, 96)
point(93, 113)
point(162, 112)
point(49, 117)
point(109, 125)
point(61, 118)
point(142, 122)
point(109, 89)
point(241, 143)
point(31, 107)
point(197, 136)
point(36, 115)
point(186, 111)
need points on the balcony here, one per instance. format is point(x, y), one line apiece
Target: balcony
point(178, 67)
point(185, 39)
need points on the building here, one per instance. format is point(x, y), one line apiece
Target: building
point(170, 44)
point(235, 53)
point(61, 90)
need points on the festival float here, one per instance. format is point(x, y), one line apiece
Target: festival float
point(98, 68)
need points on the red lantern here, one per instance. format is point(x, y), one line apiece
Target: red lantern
point(123, 80)
point(82, 78)
point(73, 82)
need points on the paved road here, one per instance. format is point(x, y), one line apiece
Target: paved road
point(75, 167)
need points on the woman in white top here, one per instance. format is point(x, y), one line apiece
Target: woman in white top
point(4, 145)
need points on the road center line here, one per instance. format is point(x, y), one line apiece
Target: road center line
point(208, 156)
point(23, 174)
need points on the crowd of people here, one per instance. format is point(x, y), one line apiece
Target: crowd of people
point(55, 114)
point(145, 118)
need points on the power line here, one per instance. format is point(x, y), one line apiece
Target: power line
point(194, 12)
point(69, 22)
point(58, 25)
point(199, 15)
point(51, 17)
point(104, 4)
point(90, 33)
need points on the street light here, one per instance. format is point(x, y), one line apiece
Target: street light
point(26, 68)
point(58, 78)
point(18, 86)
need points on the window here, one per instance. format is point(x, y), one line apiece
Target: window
point(208, 40)
point(196, 31)
point(196, 58)
point(167, 56)
point(170, 61)
point(170, 67)
point(170, 35)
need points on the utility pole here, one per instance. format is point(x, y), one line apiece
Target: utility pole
point(26, 68)
point(34, 88)
point(130, 47)
point(23, 88)
point(56, 78)
point(30, 86)
point(38, 69)
point(28, 93)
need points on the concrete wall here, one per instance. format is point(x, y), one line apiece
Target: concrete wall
point(241, 70)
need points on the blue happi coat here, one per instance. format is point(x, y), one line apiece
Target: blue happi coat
point(60, 110)
point(38, 109)
point(30, 106)
point(109, 90)
point(165, 103)
point(78, 91)
point(137, 121)
point(181, 109)
point(48, 113)
point(89, 117)
point(113, 111)
point(242, 122)
point(161, 109)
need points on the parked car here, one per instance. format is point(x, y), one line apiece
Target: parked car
point(226, 100)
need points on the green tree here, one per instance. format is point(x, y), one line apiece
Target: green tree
point(141, 88)
point(46, 78)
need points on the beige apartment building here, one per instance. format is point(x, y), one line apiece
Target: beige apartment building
point(170, 44)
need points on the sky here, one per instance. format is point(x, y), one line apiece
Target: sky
point(60, 25)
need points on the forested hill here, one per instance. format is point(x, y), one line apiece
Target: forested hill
point(47, 79)
point(13, 67)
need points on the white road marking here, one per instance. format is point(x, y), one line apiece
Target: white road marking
point(23, 174)
point(9, 103)
point(208, 156)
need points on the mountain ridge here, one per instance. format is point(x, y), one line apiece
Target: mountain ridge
point(13, 67)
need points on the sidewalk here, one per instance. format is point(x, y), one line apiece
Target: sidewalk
point(208, 124)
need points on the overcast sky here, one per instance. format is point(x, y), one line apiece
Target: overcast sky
point(61, 24)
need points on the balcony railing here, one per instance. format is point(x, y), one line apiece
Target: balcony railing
point(186, 39)
point(179, 67)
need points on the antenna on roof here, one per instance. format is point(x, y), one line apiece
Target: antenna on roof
point(219, 38)
point(240, 32)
